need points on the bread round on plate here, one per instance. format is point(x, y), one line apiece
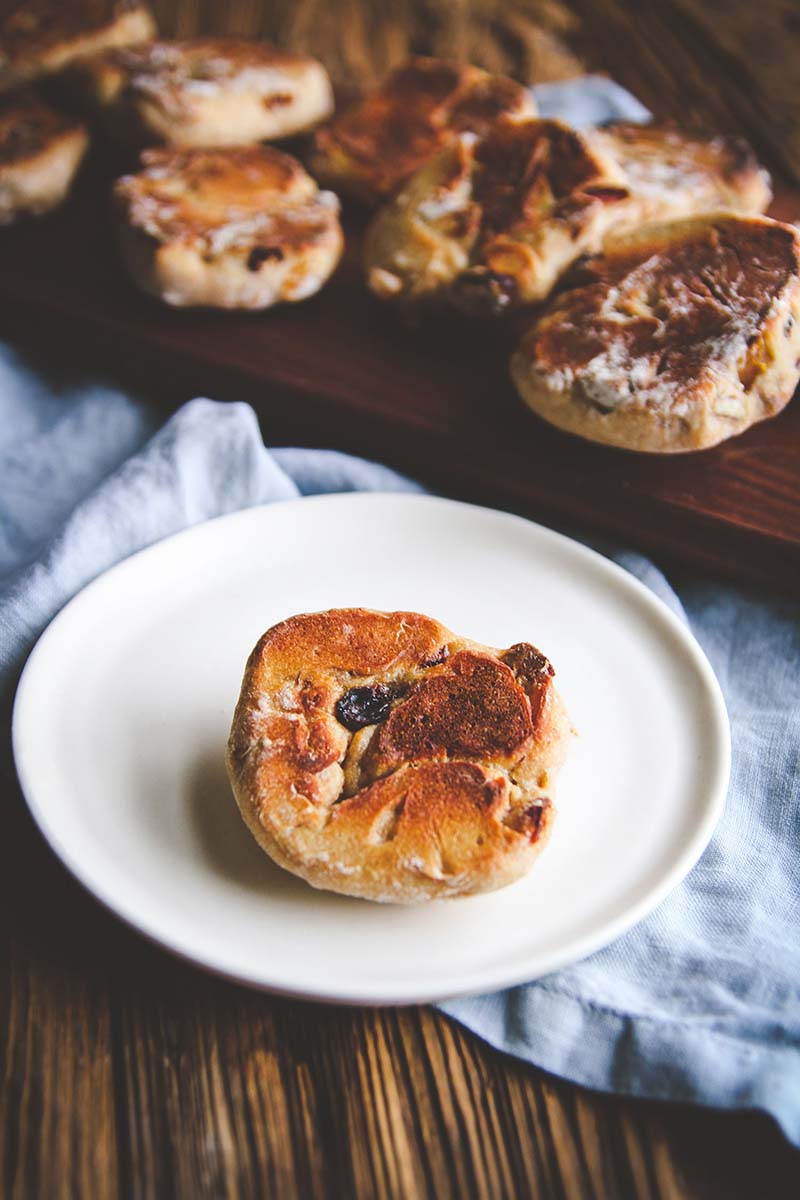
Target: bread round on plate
point(374, 146)
point(40, 152)
point(381, 756)
point(205, 92)
point(39, 37)
point(674, 173)
point(236, 228)
point(675, 338)
point(491, 222)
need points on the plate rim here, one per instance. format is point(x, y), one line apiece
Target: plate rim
point(468, 982)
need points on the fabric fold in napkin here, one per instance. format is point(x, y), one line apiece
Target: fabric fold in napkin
point(699, 1002)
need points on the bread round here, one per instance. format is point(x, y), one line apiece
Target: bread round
point(40, 152)
point(674, 173)
point(39, 37)
point(675, 338)
point(372, 147)
point(244, 227)
point(381, 756)
point(205, 92)
point(491, 222)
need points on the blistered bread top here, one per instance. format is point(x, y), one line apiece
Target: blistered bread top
point(663, 163)
point(417, 109)
point(643, 323)
point(201, 65)
point(225, 197)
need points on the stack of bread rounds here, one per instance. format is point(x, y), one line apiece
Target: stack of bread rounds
point(493, 221)
point(615, 248)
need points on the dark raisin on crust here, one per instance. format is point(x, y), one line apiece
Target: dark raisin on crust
point(529, 821)
point(259, 255)
point(527, 662)
point(369, 705)
point(495, 291)
point(435, 659)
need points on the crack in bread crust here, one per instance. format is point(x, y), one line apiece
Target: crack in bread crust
point(447, 795)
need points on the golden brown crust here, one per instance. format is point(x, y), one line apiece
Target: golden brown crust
point(40, 152)
point(675, 338)
point(382, 756)
point(205, 92)
point(39, 37)
point(421, 106)
point(674, 173)
point(492, 222)
point(236, 228)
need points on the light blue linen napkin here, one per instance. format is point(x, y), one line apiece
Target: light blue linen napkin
point(701, 1001)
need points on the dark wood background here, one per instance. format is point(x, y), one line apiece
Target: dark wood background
point(127, 1073)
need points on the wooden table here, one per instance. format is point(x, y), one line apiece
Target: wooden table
point(129, 1073)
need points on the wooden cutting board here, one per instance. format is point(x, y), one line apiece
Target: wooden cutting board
point(340, 371)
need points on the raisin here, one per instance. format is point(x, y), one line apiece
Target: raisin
point(529, 821)
point(435, 659)
point(367, 705)
point(277, 100)
point(527, 662)
point(259, 255)
point(606, 193)
point(496, 290)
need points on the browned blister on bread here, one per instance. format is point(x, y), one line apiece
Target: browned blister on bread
point(676, 337)
point(381, 756)
point(371, 148)
point(204, 92)
point(492, 221)
point(40, 152)
point(243, 227)
point(40, 37)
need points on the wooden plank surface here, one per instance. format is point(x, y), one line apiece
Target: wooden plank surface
point(434, 399)
point(127, 1073)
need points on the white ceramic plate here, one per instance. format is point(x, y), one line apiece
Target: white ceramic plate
point(123, 711)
